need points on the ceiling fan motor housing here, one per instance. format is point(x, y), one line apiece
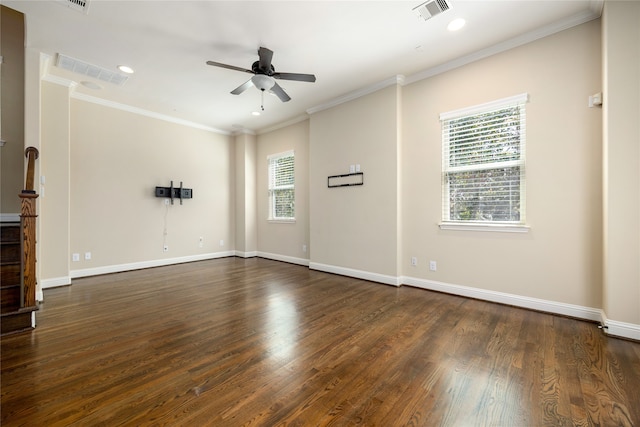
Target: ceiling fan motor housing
point(256, 69)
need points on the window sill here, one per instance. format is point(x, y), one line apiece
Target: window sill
point(282, 221)
point(501, 228)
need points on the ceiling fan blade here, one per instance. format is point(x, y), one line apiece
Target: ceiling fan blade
point(244, 86)
point(265, 58)
point(295, 76)
point(230, 67)
point(280, 93)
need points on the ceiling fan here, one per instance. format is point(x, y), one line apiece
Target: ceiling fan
point(265, 75)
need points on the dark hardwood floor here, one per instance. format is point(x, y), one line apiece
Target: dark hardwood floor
point(234, 342)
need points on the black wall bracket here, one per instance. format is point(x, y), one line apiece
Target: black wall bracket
point(346, 180)
point(174, 192)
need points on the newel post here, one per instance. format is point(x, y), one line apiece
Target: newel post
point(28, 225)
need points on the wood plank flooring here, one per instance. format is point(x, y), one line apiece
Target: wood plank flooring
point(235, 342)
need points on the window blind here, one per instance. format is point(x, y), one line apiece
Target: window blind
point(484, 163)
point(282, 186)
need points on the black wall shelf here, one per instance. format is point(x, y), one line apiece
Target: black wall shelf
point(346, 180)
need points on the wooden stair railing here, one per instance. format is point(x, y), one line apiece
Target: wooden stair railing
point(28, 225)
point(18, 261)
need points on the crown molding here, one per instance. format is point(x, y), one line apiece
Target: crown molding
point(147, 113)
point(395, 80)
point(70, 84)
point(292, 121)
point(242, 131)
point(523, 39)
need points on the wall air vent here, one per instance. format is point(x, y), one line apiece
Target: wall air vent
point(431, 8)
point(81, 67)
point(77, 5)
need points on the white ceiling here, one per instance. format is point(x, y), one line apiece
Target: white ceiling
point(349, 45)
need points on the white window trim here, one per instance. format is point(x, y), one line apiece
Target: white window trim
point(270, 217)
point(281, 220)
point(505, 227)
point(481, 226)
point(481, 108)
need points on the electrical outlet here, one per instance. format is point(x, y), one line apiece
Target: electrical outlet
point(414, 261)
point(433, 266)
point(200, 241)
point(166, 201)
point(221, 242)
point(304, 248)
point(165, 248)
point(75, 257)
point(87, 256)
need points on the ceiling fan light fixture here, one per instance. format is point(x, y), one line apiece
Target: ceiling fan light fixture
point(263, 82)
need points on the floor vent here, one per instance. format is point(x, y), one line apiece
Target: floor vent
point(86, 69)
point(77, 5)
point(431, 8)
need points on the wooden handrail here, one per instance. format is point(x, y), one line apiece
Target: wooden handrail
point(28, 225)
point(31, 153)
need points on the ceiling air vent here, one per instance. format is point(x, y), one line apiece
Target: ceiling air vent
point(86, 69)
point(77, 5)
point(431, 8)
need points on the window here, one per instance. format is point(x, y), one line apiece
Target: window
point(281, 186)
point(483, 164)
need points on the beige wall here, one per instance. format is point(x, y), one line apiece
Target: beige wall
point(117, 160)
point(53, 241)
point(621, 138)
point(245, 195)
point(559, 259)
point(12, 159)
point(284, 239)
point(356, 227)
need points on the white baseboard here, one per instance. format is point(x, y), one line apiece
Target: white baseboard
point(245, 254)
point(366, 275)
point(571, 310)
point(620, 329)
point(613, 328)
point(283, 258)
point(74, 274)
point(55, 282)
point(9, 217)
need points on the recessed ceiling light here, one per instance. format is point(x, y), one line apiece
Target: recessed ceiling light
point(125, 69)
point(255, 113)
point(456, 24)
